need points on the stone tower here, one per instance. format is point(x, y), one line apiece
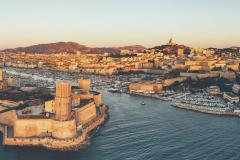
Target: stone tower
point(84, 84)
point(63, 100)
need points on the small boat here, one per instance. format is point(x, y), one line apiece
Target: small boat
point(143, 103)
point(113, 90)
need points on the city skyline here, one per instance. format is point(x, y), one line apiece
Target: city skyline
point(114, 23)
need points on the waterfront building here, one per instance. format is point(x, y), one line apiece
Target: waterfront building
point(233, 67)
point(236, 88)
point(13, 82)
point(180, 52)
point(214, 90)
point(3, 83)
point(232, 98)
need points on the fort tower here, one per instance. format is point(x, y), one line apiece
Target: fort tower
point(63, 100)
point(84, 84)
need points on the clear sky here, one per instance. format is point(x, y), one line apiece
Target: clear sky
point(104, 23)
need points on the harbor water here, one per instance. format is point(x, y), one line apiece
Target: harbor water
point(153, 131)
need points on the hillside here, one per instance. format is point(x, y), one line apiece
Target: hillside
point(70, 47)
point(51, 48)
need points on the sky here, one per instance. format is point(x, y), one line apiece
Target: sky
point(108, 23)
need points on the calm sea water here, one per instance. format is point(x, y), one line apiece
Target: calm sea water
point(154, 131)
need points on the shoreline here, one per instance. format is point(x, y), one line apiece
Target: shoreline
point(202, 109)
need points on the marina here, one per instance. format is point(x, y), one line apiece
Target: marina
point(118, 84)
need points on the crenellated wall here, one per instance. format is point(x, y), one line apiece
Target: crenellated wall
point(85, 114)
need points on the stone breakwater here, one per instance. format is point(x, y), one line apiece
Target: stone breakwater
point(203, 109)
point(58, 144)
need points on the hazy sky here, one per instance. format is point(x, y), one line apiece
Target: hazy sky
point(98, 23)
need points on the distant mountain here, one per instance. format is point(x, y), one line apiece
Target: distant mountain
point(70, 47)
point(51, 48)
point(116, 50)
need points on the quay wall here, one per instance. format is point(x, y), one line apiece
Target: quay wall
point(204, 109)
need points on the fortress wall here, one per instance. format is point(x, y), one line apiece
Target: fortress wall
point(54, 143)
point(75, 99)
point(32, 127)
point(64, 129)
point(39, 127)
point(8, 118)
point(86, 113)
point(86, 96)
point(97, 99)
